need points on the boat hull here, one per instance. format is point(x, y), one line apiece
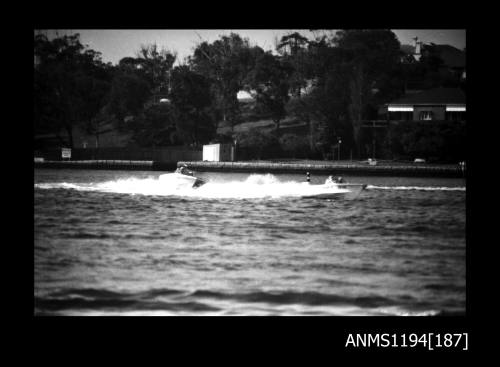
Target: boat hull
point(182, 180)
point(334, 191)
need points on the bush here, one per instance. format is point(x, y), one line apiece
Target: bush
point(436, 140)
point(255, 144)
point(295, 146)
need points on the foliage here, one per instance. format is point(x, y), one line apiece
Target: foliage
point(432, 140)
point(70, 83)
point(226, 138)
point(325, 107)
point(295, 146)
point(293, 48)
point(225, 63)
point(257, 144)
point(269, 79)
point(154, 66)
point(128, 95)
point(348, 75)
point(155, 126)
point(191, 98)
point(370, 55)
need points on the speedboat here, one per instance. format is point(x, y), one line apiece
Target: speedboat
point(333, 190)
point(180, 179)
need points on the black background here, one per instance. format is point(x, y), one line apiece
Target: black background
point(242, 340)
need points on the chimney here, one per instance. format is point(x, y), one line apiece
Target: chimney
point(418, 48)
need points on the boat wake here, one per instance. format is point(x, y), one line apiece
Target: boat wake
point(254, 186)
point(419, 188)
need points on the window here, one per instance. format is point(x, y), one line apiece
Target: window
point(407, 116)
point(401, 116)
point(455, 116)
point(425, 115)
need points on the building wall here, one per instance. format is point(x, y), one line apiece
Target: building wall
point(438, 112)
point(455, 116)
point(218, 152)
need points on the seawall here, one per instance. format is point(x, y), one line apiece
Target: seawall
point(333, 168)
point(109, 165)
point(351, 168)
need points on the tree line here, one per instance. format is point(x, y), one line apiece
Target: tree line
point(332, 82)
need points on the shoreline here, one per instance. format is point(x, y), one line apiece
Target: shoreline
point(326, 167)
point(333, 168)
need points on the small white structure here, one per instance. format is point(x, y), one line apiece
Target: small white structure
point(243, 95)
point(66, 153)
point(218, 152)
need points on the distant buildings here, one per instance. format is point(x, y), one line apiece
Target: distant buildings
point(439, 104)
point(433, 104)
point(452, 57)
point(445, 62)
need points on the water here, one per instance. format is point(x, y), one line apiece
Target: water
point(126, 243)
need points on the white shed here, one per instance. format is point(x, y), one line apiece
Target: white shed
point(218, 152)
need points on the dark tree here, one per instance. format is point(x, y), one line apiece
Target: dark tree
point(155, 126)
point(256, 144)
point(352, 71)
point(325, 107)
point(225, 63)
point(128, 95)
point(269, 79)
point(70, 84)
point(293, 48)
point(154, 66)
point(191, 98)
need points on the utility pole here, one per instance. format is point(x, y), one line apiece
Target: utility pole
point(373, 139)
point(340, 142)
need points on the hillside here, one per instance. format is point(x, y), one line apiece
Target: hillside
point(112, 137)
point(288, 125)
point(252, 118)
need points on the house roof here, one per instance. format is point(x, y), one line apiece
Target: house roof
point(407, 49)
point(433, 96)
point(452, 57)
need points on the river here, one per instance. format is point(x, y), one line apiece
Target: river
point(123, 243)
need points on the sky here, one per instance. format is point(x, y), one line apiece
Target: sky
point(116, 44)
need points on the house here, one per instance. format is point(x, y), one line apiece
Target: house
point(444, 104)
point(453, 58)
point(450, 61)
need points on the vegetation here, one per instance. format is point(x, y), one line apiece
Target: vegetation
point(431, 140)
point(71, 85)
point(330, 83)
point(255, 144)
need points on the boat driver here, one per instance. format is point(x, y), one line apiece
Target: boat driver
point(184, 170)
point(331, 180)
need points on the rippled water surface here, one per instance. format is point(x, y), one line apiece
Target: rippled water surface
point(126, 243)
